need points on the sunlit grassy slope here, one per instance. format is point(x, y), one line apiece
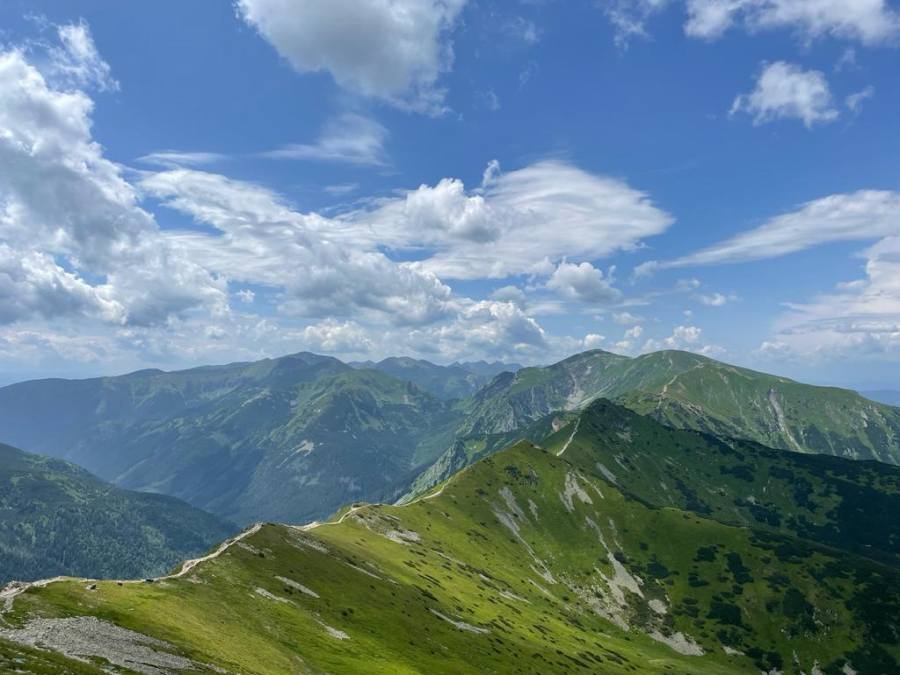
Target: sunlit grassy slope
point(527, 561)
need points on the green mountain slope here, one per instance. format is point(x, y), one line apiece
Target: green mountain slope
point(281, 439)
point(458, 380)
point(694, 392)
point(292, 439)
point(848, 505)
point(531, 560)
point(58, 519)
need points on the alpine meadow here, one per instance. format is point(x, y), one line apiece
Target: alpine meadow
point(450, 336)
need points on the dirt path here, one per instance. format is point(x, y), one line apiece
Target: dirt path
point(15, 588)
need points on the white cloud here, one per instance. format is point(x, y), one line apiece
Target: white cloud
point(520, 222)
point(682, 335)
point(333, 337)
point(583, 282)
point(633, 333)
point(76, 61)
point(486, 327)
point(246, 296)
point(341, 188)
point(262, 240)
point(685, 338)
point(715, 299)
point(626, 318)
point(866, 214)
point(512, 294)
point(593, 341)
point(847, 60)
point(868, 21)
point(348, 139)
point(394, 50)
point(629, 17)
point(859, 319)
point(64, 207)
point(854, 101)
point(783, 91)
point(87, 274)
point(31, 283)
point(177, 158)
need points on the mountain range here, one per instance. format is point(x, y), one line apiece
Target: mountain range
point(293, 439)
point(56, 518)
point(458, 380)
point(619, 545)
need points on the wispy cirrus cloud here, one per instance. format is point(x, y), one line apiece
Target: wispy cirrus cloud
point(859, 319)
point(177, 158)
point(348, 139)
point(855, 216)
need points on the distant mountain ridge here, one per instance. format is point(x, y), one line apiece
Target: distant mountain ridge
point(691, 391)
point(57, 519)
point(458, 380)
point(294, 438)
point(287, 439)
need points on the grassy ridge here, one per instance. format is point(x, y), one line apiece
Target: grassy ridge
point(848, 505)
point(524, 562)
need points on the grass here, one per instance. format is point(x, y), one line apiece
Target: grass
point(543, 565)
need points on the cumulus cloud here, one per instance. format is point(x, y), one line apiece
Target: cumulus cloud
point(261, 240)
point(685, 338)
point(519, 222)
point(868, 21)
point(65, 207)
point(583, 282)
point(78, 248)
point(245, 295)
point(592, 341)
point(393, 50)
point(348, 139)
point(861, 215)
point(31, 283)
point(784, 91)
point(332, 337)
point(486, 327)
point(512, 294)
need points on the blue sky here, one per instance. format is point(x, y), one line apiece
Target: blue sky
point(186, 183)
